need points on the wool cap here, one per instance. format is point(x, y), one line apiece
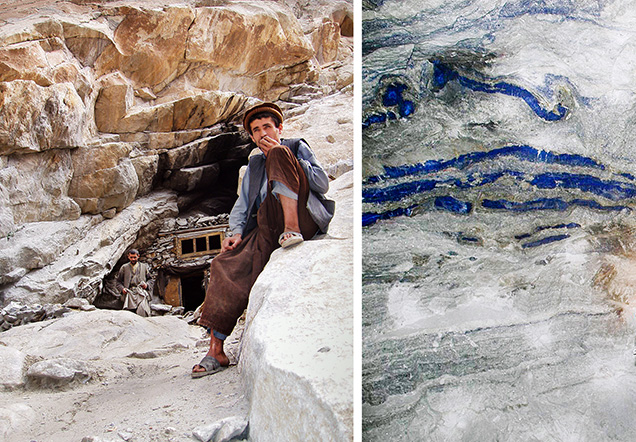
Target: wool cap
point(262, 107)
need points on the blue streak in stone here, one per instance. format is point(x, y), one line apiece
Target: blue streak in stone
point(526, 206)
point(547, 204)
point(442, 74)
point(542, 228)
point(546, 240)
point(610, 189)
point(371, 218)
point(522, 152)
point(596, 205)
point(397, 192)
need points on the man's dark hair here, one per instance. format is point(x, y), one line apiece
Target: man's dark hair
point(263, 114)
point(133, 251)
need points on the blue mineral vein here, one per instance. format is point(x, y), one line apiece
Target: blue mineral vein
point(443, 74)
point(610, 189)
point(425, 179)
point(523, 153)
point(542, 228)
point(546, 240)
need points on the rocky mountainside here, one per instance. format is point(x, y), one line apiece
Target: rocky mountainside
point(117, 115)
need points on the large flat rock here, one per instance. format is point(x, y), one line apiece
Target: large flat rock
point(297, 351)
point(101, 335)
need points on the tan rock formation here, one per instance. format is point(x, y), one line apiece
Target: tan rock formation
point(326, 41)
point(247, 38)
point(35, 118)
point(102, 103)
point(109, 182)
point(149, 45)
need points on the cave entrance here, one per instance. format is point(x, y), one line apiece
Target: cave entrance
point(186, 290)
point(192, 291)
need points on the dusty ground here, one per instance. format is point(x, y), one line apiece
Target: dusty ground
point(150, 400)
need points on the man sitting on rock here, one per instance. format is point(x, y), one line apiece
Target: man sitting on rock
point(132, 283)
point(281, 203)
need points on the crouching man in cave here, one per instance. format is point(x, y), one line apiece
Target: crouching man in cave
point(132, 283)
point(281, 203)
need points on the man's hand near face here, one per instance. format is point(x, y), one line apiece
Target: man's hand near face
point(266, 143)
point(231, 242)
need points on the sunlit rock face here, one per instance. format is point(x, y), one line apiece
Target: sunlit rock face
point(498, 203)
point(104, 105)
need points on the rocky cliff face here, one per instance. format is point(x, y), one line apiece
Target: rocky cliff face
point(115, 115)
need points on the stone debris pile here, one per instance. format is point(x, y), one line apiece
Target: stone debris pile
point(18, 314)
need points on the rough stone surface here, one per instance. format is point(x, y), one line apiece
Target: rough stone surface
point(76, 265)
point(327, 125)
point(46, 201)
point(36, 118)
point(12, 362)
point(140, 385)
point(73, 73)
point(99, 335)
point(103, 179)
point(57, 373)
point(297, 351)
point(217, 31)
point(224, 430)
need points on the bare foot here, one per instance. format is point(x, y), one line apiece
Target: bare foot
point(216, 351)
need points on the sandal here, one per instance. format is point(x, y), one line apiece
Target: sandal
point(211, 365)
point(289, 238)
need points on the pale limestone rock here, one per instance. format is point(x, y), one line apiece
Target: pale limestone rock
point(87, 40)
point(25, 61)
point(105, 156)
point(57, 372)
point(12, 362)
point(7, 223)
point(103, 189)
point(35, 118)
point(224, 430)
point(114, 110)
point(327, 125)
point(45, 62)
point(36, 245)
point(115, 97)
point(326, 41)
point(103, 177)
point(297, 351)
point(191, 154)
point(225, 38)
point(148, 45)
point(37, 186)
point(14, 417)
point(90, 253)
point(206, 109)
point(101, 336)
point(76, 303)
point(160, 141)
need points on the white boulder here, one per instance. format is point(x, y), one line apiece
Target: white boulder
point(297, 351)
